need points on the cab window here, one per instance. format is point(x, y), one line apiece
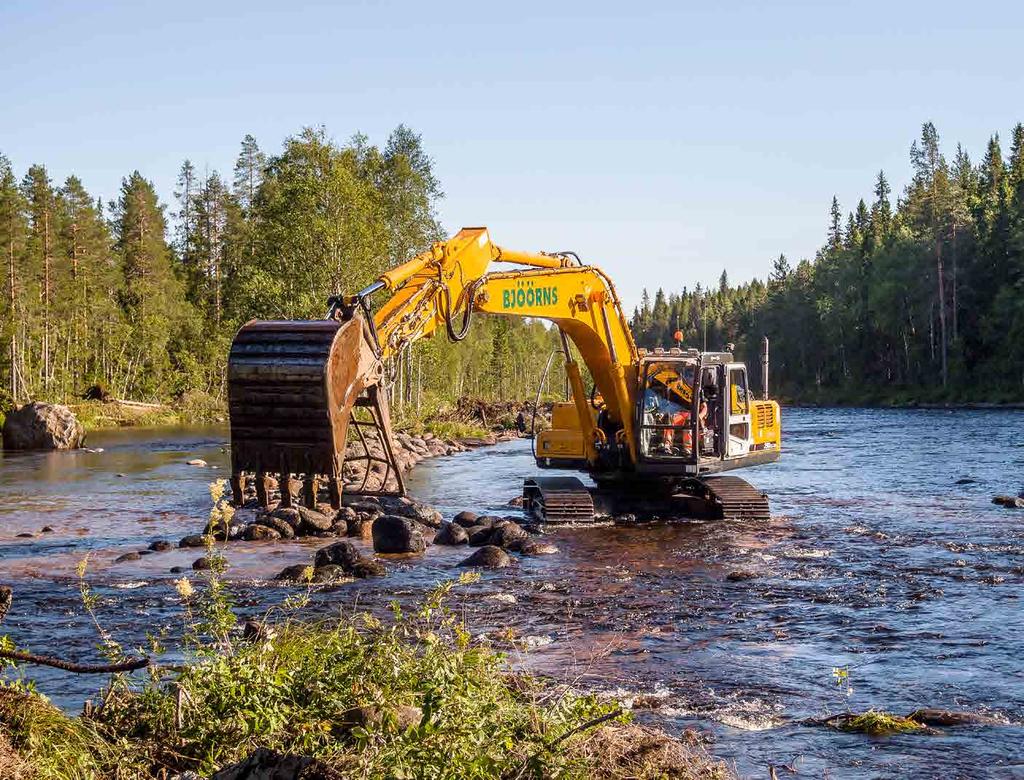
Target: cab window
point(738, 384)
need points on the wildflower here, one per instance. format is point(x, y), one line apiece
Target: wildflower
point(184, 588)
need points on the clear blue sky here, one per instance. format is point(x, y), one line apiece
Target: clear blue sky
point(663, 141)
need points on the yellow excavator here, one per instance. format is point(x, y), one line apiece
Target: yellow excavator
point(308, 404)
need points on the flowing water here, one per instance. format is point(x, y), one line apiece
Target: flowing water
point(884, 557)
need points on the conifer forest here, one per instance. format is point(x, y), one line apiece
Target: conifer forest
point(912, 295)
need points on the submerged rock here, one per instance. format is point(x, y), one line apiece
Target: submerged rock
point(257, 532)
point(488, 557)
point(395, 534)
point(532, 547)
point(39, 426)
point(479, 535)
point(300, 572)
point(506, 533)
point(195, 540)
point(451, 534)
point(128, 556)
point(348, 559)
point(161, 545)
point(1010, 502)
point(466, 519)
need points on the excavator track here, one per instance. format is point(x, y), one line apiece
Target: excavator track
point(558, 500)
point(736, 499)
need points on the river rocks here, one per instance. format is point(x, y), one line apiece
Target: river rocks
point(285, 529)
point(260, 533)
point(202, 564)
point(39, 426)
point(505, 533)
point(531, 547)
point(451, 534)
point(195, 540)
point(128, 556)
point(488, 557)
point(395, 534)
point(326, 574)
point(198, 462)
point(740, 575)
point(348, 559)
point(313, 521)
point(466, 519)
point(414, 510)
point(161, 545)
point(479, 535)
point(300, 572)
point(1010, 502)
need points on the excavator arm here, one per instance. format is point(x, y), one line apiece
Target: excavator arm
point(305, 396)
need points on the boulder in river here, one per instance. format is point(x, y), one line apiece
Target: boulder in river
point(1010, 502)
point(260, 533)
point(313, 522)
point(532, 547)
point(479, 535)
point(414, 510)
point(194, 540)
point(488, 557)
point(466, 519)
point(128, 556)
point(284, 528)
point(505, 533)
point(396, 534)
point(451, 534)
point(161, 545)
point(299, 572)
point(39, 426)
point(347, 557)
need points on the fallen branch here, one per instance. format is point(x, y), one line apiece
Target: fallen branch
point(128, 665)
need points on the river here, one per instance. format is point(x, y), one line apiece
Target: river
point(884, 556)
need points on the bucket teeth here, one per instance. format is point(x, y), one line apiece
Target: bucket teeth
point(299, 393)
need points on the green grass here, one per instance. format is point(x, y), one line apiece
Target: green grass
point(879, 724)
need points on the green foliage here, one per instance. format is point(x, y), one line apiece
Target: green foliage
point(120, 300)
point(879, 724)
point(914, 302)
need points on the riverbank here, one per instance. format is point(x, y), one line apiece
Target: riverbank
point(411, 696)
point(861, 398)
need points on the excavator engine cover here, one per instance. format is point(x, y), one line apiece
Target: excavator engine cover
point(297, 389)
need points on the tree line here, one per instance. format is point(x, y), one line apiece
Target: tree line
point(143, 299)
point(921, 299)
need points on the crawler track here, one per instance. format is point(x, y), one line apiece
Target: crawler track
point(737, 499)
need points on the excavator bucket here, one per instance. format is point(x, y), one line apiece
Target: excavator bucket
point(307, 409)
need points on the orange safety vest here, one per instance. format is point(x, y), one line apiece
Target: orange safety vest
point(679, 418)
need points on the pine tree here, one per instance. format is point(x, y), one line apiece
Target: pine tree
point(12, 233)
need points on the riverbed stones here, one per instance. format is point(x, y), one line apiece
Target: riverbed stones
point(299, 572)
point(195, 540)
point(532, 547)
point(505, 533)
point(128, 556)
point(414, 510)
point(161, 545)
point(452, 535)
point(285, 529)
point(347, 557)
point(260, 533)
point(40, 426)
point(202, 564)
point(313, 522)
point(488, 557)
point(479, 535)
point(1010, 502)
point(198, 462)
point(396, 534)
point(466, 519)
